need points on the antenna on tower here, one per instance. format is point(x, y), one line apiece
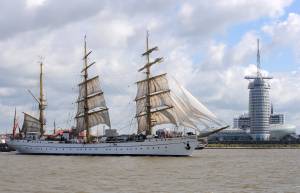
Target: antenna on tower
point(258, 66)
point(258, 59)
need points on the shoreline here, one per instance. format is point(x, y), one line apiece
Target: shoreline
point(253, 146)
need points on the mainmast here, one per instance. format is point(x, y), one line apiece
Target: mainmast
point(42, 105)
point(85, 98)
point(85, 76)
point(148, 105)
point(156, 105)
point(147, 66)
point(91, 108)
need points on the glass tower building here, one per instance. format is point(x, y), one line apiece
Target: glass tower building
point(259, 104)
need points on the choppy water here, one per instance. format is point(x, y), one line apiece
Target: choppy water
point(209, 170)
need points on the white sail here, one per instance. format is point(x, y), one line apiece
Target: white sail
point(187, 105)
point(97, 109)
point(176, 105)
point(156, 83)
point(93, 86)
point(94, 118)
point(160, 100)
point(93, 102)
point(30, 124)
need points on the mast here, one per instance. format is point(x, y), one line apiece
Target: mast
point(86, 97)
point(54, 128)
point(91, 106)
point(15, 122)
point(156, 105)
point(148, 105)
point(42, 105)
point(86, 109)
point(148, 72)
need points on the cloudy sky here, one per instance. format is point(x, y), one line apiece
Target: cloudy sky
point(209, 46)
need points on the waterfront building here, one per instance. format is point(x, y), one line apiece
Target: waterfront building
point(242, 122)
point(278, 133)
point(276, 119)
point(259, 103)
point(230, 135)
point(261, 123)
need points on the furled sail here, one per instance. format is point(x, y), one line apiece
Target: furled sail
point(97, 109)
point(30, 124)
point(170, 106)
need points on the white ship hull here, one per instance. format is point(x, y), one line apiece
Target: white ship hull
point(181, 146)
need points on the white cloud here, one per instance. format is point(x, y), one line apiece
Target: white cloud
point(207, 17)
point(116, 34)
point(286, 33)
point(34, 3)
point(4, 91)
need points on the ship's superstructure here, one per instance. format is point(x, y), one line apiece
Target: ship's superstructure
point(259, 103)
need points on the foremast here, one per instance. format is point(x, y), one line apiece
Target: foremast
point(147, 68)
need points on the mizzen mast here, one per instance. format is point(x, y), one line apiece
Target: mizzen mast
point(32, 124)
point(15, 124)
point(147, 67)
point(42, 105)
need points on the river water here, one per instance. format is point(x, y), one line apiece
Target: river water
point(209, 170)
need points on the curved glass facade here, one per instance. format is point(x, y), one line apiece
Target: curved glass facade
point(259, 108)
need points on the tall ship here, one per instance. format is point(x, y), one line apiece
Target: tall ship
point(157, 107)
